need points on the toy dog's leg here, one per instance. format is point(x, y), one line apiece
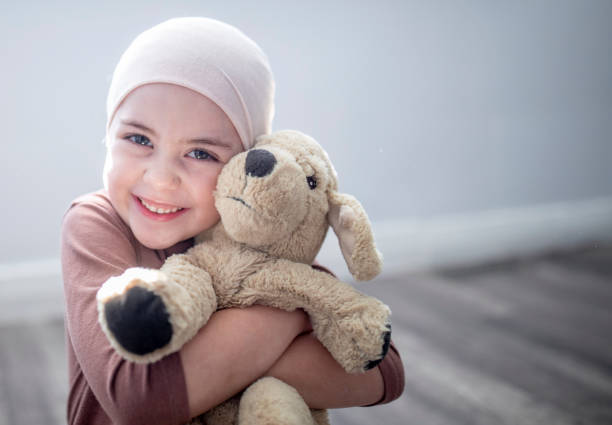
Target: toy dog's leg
point(354, 327)
point(148, 314)
point(270, 401)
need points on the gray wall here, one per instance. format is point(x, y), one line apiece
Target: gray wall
point(426, 107)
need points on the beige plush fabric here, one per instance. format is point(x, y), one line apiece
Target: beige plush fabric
point(276, 203)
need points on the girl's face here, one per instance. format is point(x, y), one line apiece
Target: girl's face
point(166, 147)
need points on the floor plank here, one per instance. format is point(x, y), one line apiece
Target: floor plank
point(33, 373)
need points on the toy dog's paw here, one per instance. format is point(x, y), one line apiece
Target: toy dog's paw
point(133, 314)
point(371, 364)
point(359, 339)
point(369, 347)
point(139, 321)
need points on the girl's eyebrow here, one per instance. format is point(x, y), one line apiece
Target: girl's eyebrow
point(213, 142)
point(139, 126)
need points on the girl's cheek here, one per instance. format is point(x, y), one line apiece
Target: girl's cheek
point(202, 174)
point(117, 166)
point(124, 156)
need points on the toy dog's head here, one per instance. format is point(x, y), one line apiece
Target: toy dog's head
point(281, 196)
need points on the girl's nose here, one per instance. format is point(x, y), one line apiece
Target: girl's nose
point(162, 175)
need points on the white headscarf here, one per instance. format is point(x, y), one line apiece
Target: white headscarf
point(205, 55)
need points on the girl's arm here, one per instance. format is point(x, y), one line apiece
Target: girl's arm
point(321, 381)
point(243, 345)
point(238, 346)
point(235, 348)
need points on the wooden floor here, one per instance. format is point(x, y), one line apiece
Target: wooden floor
point(518, 342)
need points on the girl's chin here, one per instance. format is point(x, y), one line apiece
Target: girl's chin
point(157, 245)
point(157, 242)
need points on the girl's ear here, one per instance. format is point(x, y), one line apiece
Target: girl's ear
point(352, 226)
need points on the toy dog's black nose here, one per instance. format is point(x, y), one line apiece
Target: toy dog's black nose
point(259, 163)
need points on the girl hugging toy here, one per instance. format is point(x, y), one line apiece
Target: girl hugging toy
point(276, 202)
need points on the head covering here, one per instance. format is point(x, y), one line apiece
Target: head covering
point(205, 55)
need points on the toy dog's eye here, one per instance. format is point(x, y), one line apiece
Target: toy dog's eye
point(312, 182)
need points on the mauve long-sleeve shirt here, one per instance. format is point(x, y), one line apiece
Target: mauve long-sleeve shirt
point(103, 387)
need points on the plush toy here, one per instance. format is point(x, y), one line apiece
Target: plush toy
point(276, 202)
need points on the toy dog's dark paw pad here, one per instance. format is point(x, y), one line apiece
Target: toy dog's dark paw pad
point(139, 321)
point(385, 348)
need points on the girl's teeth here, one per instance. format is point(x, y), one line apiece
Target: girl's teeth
point(159, 210)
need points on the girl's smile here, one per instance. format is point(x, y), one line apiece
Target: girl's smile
point(157, 211)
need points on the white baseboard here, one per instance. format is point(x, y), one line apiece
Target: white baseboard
point(411, 245)
point(408, 245)
point(30, 269)
point(31, 291)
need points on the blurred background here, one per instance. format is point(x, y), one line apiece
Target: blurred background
point(473, 132)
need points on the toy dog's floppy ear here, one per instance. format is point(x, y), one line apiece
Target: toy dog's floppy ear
point(352, 226)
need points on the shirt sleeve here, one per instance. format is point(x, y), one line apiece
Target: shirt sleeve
point(95, 246)
point(392, 371)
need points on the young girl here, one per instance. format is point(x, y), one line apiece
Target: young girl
point(186, 96)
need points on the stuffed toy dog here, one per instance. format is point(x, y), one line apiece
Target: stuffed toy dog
point(276, 202)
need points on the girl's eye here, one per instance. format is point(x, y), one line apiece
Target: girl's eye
point(139, 139)
point(200, 154)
